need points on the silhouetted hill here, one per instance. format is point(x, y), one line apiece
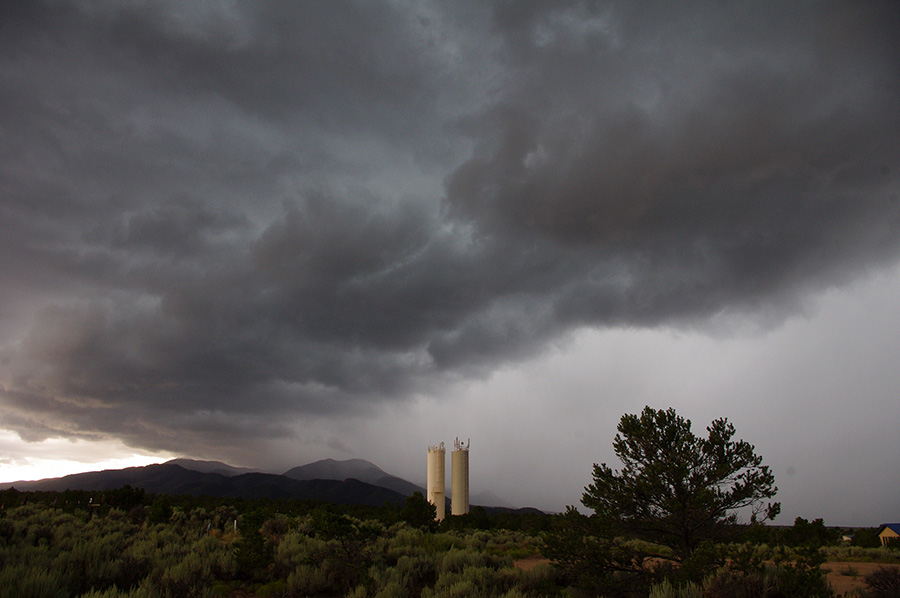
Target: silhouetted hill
point(169, 478)
point(398, 485)
point(489, 498)
point(353, 481)
point(331, 469)
point(211, 467)
point(360, 469)
point(512, 511)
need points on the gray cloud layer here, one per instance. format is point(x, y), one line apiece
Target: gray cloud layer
point(217, 220)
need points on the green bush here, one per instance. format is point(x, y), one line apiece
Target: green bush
point(667, 590)
point(357, 592)
point(273, 589)
point(418, 571)
point(309, 580)
point(295, 549)
point(111, 553)
point(471, 581)
point(393, 589)
point(879, 554)
point(112, 592)
point(456, 560)
point(783, 580)
point(729, 583)
point(31, 582)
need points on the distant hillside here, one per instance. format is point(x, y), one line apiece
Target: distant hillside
point(331, 469)
point(211, 467)
point(508, 510)
point(353, 481)
point(169, 478)
point(359, 469)
point(489, 498)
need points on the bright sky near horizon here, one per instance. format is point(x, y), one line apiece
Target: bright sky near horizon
point(269, 233)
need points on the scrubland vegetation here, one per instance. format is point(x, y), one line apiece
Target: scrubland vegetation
point(124, 544)
point(663, 526)
point(84, 544)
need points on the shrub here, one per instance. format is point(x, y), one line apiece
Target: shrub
point(457, 560)
point(43, 533)
point(728, 583)
point(272, 589)
point(384, 577)
point(274, 529)
point(295, 549)
point(91, 563)
point(31, 582)
point(357, 592)
point(785, 580)
point(667, 590)
point(418, 571)
point(7, 529)
point(470, 582)
point(161, 510)
point(542, 580)
point(137, 515)
point(112, 592)
point(306, 580)
point(884, 582)
point(802, 580)
point(252, 552)
point(393, 589)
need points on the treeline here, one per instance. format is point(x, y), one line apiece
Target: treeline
point(140, 506)
point(812, 533)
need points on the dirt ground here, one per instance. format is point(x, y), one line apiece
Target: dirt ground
point(843, 576)
point(846, 577)
point(529, 563)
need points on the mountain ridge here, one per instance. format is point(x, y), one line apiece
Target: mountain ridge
point(354, 481)
point(212, 467)
point(170, 478)
point(360, 469)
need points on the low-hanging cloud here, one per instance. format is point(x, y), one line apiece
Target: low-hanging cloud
point(217, 221)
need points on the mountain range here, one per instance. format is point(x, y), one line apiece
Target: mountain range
point(353, 481)
point(359, 469)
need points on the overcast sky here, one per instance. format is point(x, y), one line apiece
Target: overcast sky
point(269, 233)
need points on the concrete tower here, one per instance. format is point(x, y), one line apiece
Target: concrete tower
point(435, 484)
point(459, 476)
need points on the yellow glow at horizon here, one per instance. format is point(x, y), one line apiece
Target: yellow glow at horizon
point(57, 457)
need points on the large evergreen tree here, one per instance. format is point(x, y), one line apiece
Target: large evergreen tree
point(676, 488)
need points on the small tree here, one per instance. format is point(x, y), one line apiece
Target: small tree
point(418, 512)
point(806, 533)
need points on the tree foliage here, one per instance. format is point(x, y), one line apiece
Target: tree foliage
point(806, 533)
point(676, 488)
point(674, 497)
point(418, 512)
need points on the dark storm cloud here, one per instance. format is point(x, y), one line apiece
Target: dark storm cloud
point(721, 157)
point(218, 218)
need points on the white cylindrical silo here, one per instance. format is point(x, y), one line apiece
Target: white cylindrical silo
point(435, 483)
point(459, 479)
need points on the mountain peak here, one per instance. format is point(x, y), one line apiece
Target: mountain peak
point(332, 469)
point(210, 467)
